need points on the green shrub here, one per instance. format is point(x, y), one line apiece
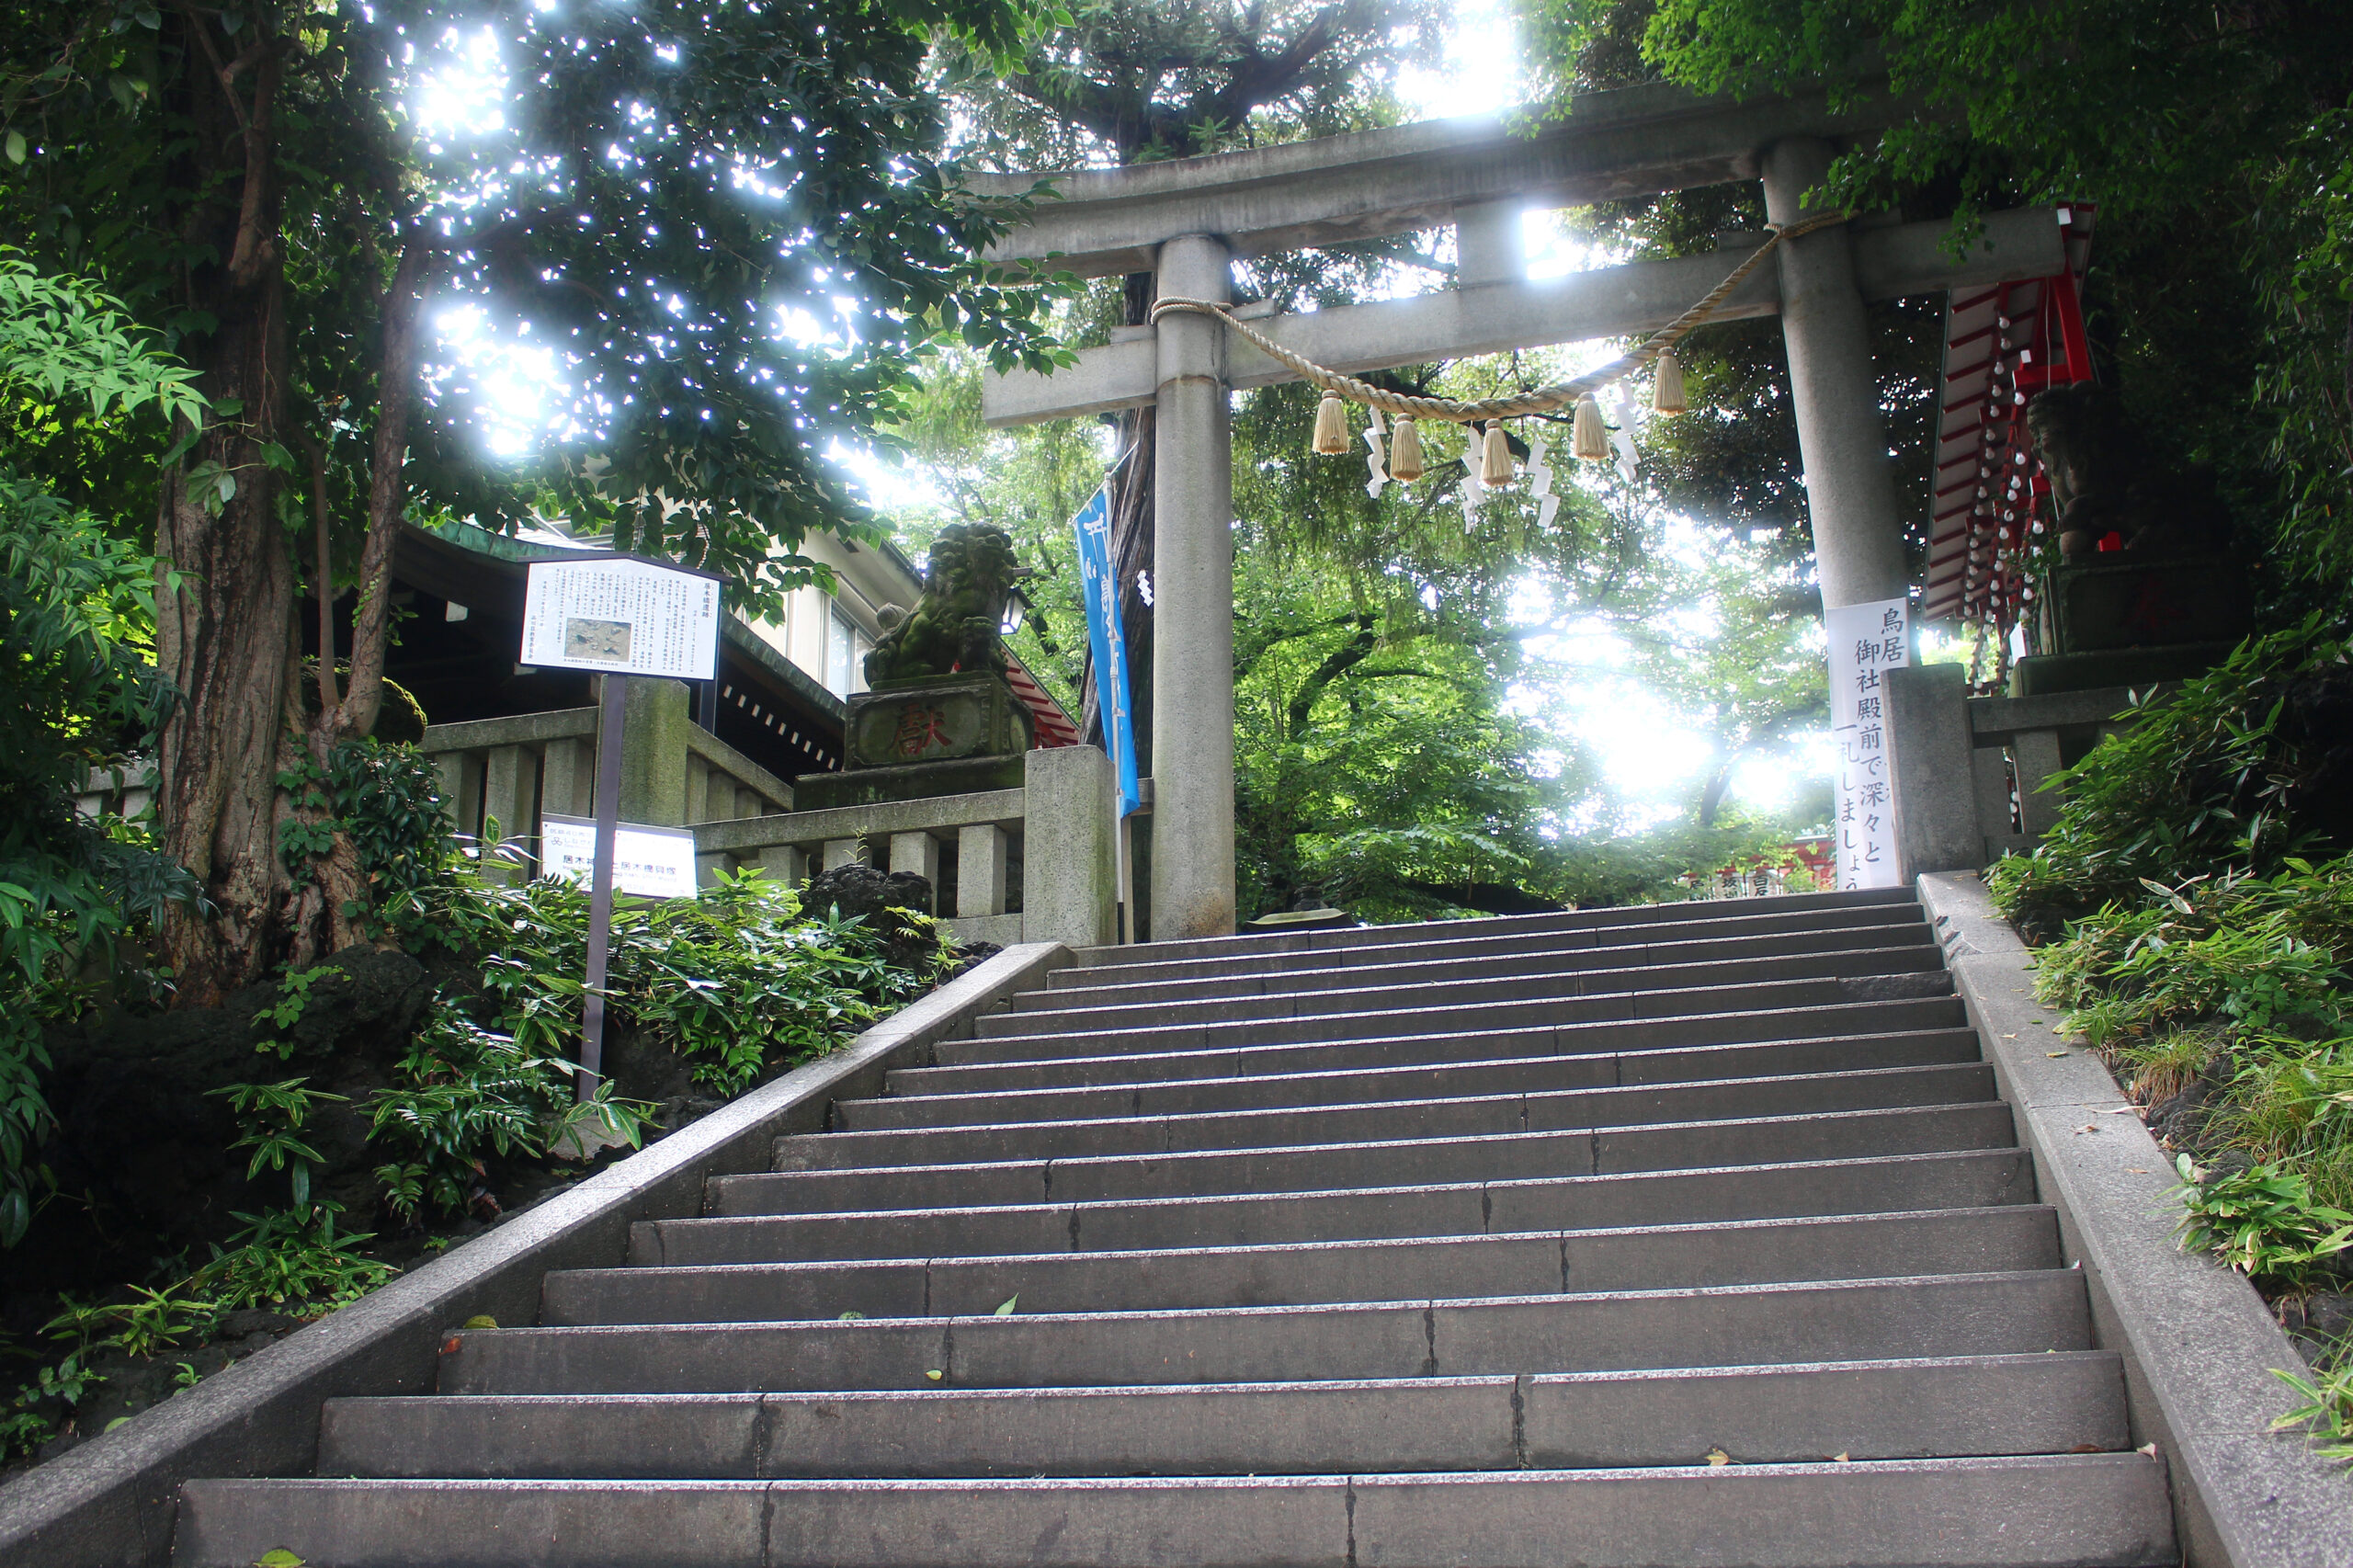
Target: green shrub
point(270, 1122)
point(464, 1093)
point(2212, 777)
point(2253, 951)
point(735, 981)
point(2263, 1221)
point(78, 685)
point(291, 1257)
point(2327, 1413)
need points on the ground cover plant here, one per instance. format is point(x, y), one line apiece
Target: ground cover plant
point(2196, 903)
point(355, 1155)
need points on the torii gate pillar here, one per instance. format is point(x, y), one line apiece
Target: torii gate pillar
point(1850, 495)
point(1192, 604)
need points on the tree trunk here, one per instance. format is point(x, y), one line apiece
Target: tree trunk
point(225, 636)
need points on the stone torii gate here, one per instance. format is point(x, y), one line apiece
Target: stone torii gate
point(1186, 220)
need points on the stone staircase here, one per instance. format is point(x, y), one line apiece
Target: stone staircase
point(1682, 1235)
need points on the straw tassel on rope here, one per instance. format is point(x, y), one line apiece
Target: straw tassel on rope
point(1405, 449)
point(1331, 425)
point(1588, 436)
point(1495, 464)
point(1667, 389)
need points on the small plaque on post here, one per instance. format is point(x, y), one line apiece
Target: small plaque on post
point(648, 862)
point(619, 615)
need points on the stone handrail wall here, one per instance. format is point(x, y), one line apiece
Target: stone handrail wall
point(1023, 862)
point(981, 833)
point(125, 790)
point(2017, 742)
point(1038, 863)
point(1970, 771)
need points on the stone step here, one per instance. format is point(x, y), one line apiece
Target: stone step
point(906, 1106)
point(1626, 1007)
point(1941, 1407)
point(1386, 1120)
point(1371, 994)
point(1448, 941)
point(974, 1066)
point(1735, 1325)
point(1415, 965)
point(1667, 1146)
point(1798, 909)
point(1973, 1178)
point(2052, 1510)
point(2004, 1239)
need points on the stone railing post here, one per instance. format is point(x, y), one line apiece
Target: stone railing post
point(1070, 874)
point(654, 754)
point(1935, 796)
point(509, 792)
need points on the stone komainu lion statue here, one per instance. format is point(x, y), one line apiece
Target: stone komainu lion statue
point(954, 627)
point(2105, 479)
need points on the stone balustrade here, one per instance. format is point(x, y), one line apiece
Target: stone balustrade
point(1036, 864)
point(515, 771)
point(1970, 771)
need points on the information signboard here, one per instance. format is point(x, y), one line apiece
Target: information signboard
point(621, 615)
point(648, 862)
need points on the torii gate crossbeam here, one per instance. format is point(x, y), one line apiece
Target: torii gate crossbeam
point(1188, 218)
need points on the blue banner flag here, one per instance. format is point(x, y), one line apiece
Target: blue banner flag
point(1101, 591)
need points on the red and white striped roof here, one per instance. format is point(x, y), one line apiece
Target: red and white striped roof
point(2004, 343)
point(1052, 725)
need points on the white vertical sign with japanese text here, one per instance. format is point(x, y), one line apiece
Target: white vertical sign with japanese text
point(1866, 641)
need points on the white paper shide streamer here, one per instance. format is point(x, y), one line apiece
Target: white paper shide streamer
point(1539, 481)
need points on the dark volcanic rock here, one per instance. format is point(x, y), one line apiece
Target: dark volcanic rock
point(864, 893)
point(869, 895)
point(142, 1150)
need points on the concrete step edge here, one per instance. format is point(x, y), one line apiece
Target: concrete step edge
point(2095, 1508)
point(1350, 1027)
point(1811, 1248)
point(1856, 963)
point(1500, 924)
point(1737, 1124)
point(1229, 1064)
point(1117, 979)
point(2057, 1402)
point(1402, 1195)
point(904, 1092)
point(1224, 1124)
point(1820, 1020)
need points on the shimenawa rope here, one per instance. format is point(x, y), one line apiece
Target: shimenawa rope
point(1543, 400)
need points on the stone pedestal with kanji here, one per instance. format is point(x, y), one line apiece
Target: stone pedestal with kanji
point(932, 735)
point(2115, 618)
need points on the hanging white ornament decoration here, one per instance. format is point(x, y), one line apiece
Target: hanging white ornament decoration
point(1621, 439)
point(1539, 481)
point(1376, 456)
